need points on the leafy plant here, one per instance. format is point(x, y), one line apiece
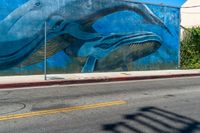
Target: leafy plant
point(190, 49)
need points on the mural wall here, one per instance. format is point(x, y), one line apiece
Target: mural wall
point(87, 36)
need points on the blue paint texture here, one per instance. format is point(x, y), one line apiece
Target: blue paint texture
point(87, 36)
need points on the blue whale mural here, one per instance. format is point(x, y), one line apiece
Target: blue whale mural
point(70, 28)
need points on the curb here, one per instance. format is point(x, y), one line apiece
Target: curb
point(84, 81)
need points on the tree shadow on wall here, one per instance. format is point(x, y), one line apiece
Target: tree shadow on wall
point(154, 120)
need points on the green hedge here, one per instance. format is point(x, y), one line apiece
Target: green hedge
point(190, 49)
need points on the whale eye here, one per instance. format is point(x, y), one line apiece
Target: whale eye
point(37, 4)
point(57, 24)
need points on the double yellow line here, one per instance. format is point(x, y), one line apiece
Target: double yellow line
point(61, 110)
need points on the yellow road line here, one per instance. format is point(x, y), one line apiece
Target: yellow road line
point(61, 110)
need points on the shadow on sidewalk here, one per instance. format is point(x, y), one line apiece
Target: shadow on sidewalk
point(154, 120)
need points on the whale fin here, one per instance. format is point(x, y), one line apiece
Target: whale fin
point(89, 65)
point(76, 30)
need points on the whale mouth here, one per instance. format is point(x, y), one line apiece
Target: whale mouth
point(140, 47)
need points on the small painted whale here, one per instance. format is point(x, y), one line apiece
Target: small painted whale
point(22, 31)
point(96, 50)
point(114, 54)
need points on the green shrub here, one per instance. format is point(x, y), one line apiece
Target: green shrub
point(190, 49)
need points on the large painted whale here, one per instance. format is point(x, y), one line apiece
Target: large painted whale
point(22, 31)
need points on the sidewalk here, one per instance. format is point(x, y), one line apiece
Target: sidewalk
point(58, 79)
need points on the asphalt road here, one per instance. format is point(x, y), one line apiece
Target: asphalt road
point(151, 106)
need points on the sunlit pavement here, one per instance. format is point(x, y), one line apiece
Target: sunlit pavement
point(57, 79)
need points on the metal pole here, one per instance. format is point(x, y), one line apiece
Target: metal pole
point(179, 42)
point(45, 51)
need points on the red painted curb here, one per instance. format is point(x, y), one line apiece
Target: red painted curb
point(82, 81)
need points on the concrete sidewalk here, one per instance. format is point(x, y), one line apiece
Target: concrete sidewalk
point(56, 79)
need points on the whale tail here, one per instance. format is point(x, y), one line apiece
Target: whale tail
point(138, 8)
point(149, 15)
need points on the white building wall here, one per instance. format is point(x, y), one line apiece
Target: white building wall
point(190, 16)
